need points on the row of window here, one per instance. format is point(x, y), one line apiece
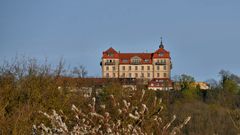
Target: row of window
point(110, 61)
point(162, 61)
point(136, 68)
point(137, 60)
point(164, 67)
point(136, 75)
point(113, 68)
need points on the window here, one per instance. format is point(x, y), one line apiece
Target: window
point(158, 75)
point(130, 68)
point(146, 60)
point(136, 61)
point(136, 75)
point(110, 54)
point(148, 67)
point(113, 68)
point(123, 75)
point(142, 74)
point(107, 68)
point(163, 61)
point(107, 75)
point(158, 68)
point(114, 75)
point(123, 67)
point(136, 68)
point(142, 67)
point(148, 74)
point(165, 74)
point(161, 54)
point(164, 67)
point(130, 75)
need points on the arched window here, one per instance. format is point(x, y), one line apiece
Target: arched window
point(135, 60)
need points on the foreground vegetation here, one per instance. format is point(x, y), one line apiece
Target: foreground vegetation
point(29, 90)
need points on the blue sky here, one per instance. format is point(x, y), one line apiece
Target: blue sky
point(203, 36)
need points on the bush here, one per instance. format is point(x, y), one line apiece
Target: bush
point(124, 116)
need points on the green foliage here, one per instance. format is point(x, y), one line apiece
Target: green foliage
point(185, 81)
point(230, 81)
point(231, 86)
point(191, 93)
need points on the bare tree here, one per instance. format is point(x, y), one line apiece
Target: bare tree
point(32, 66)
point(80, 71)
point(60, 68)
point(212, 83)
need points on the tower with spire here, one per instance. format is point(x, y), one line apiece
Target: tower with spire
point(161, 44)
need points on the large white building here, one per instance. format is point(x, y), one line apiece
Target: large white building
point(137, 65)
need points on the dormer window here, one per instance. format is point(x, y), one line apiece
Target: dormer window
point(135, 60)
point(146, 60)
point(161, 54)
point(110, 54)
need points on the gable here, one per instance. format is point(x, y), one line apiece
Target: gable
point(136, 58)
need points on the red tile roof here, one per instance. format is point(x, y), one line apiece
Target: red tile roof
point(128, 56)
point(160, 82)
point(165, 53)
point(110, 50)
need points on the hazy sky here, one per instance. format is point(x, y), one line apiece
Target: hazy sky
point(203, 36)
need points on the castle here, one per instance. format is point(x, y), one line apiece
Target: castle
point(137, 65)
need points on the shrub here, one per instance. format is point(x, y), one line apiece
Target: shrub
point(126, 117)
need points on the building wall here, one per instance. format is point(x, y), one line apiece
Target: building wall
point(136, 71)
point(112, 69)
point(162, 70)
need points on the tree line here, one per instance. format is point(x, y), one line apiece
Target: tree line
point(28, 88)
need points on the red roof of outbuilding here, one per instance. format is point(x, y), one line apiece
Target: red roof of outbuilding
point(160, 82)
